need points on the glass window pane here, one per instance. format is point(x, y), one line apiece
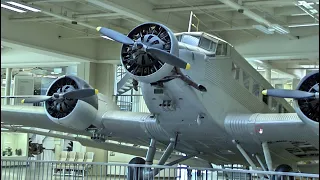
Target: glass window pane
point(280, 108)
point(256, 88)
point(274, 104)
point(246, 80)
point(191, 40)
point(221, 49)
point(205, 43)
point(235, 71)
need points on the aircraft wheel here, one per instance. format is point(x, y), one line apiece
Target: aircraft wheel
point(135, 173)
point(283, 168)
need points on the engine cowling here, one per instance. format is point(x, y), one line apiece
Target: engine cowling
point(77, 114)
point(141, 65)
point(308, 109)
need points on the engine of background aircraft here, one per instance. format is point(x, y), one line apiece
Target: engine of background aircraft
point(73, 113)
point(141, 65)
point(308, 109)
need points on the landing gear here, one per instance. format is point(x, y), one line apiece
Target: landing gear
point(140, 173)
point(136, 173)
point(283, 168)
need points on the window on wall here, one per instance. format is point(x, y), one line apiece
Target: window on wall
point(256, 88)
point(235, 71)
point(246, 80)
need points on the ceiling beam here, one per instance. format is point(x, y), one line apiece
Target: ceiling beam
point(76, 17)
point(251, 14)
point(250, 5)
point(246, 27)
point(142, 12)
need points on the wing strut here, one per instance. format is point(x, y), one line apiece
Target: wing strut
point(246, 156)
point(267, 155)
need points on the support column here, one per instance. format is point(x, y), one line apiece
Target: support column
point(8, 85)
point(268, 74)
point(295, 83)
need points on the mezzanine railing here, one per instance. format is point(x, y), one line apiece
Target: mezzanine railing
point(45, 170)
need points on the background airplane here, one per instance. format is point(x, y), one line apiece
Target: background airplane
point(205, 100)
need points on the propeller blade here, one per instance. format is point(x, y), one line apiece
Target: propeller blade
point(168, 58)
point(80, 93)
point(286, 93)
point(30, 98)
point(115, 35)
point(316, 87)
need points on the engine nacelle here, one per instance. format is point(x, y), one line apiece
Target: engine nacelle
point(142, 66)
point(77, 114)
point(308, 109)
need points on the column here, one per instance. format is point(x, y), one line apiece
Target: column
point(8, 85)
point(268, 74)
point(295, 83)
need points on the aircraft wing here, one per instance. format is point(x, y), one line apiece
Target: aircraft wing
point(33, 116)
point(288, 137)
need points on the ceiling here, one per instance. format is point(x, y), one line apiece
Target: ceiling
point(68, 26)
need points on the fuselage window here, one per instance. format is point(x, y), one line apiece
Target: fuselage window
point(256, 88)
point(246, 80)
point(274, 104)
point(280, 108)
point(235, 71)
point(221, 49)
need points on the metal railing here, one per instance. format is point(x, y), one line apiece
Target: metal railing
point(134, 103)
point(45, 170)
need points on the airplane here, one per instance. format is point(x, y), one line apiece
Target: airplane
point(205, 101)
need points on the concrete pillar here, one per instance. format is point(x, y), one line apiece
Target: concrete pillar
point(268, 74)
point(295, 83)
point(99, 75)
point(105, 78)
point(8, 85)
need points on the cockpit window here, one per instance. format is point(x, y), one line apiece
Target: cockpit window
point(221, 49)
point(191, 40)
point(207, 44)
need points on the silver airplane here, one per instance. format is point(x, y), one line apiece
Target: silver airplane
point(205, 101)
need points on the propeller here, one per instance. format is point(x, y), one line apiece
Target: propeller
point(115, 36)
point(158, 53)
point(295, 94)
point(168, 58)
point(75, 94)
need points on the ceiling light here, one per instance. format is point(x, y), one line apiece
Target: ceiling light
point(304, 25)
point(313, 11)
point(305, 4)
point(263, 29)
point(106, 37)
point(12, 8)
point(24, 6)
point(259, 61)
point(280, 29)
